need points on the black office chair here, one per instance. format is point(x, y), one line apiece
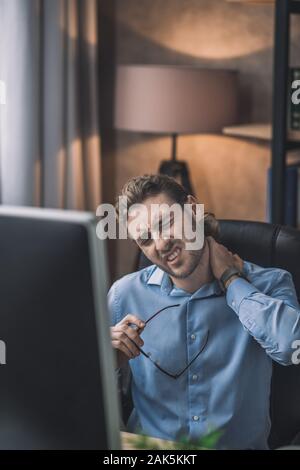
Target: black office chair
point(269, 246)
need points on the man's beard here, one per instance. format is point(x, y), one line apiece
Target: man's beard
point(194, 260)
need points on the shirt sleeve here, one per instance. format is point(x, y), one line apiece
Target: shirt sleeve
point(113, 305)
point(273, 319)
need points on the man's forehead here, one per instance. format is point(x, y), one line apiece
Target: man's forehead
point(152, 213)
point(161, 198)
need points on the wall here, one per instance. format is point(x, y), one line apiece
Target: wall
point(229, 174)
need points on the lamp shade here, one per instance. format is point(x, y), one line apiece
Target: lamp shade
point(174, 99)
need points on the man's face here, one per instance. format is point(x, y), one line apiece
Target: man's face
point(165, 248)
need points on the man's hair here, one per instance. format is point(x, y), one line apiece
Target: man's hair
point(139, 188)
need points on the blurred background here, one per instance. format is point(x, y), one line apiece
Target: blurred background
point(59, 142)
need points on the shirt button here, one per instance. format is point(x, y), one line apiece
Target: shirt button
point(233, 303)
point(195, 418)
point(193, 337)
point(195, 377)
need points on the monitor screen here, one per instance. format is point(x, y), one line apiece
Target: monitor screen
point(57, 385)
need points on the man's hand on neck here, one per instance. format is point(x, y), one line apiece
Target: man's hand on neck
point(222, 259)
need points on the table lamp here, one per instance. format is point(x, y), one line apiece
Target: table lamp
point(163, 99)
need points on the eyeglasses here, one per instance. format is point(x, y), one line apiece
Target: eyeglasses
point(155, 363)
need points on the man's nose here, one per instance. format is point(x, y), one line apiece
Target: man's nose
point(161, 244)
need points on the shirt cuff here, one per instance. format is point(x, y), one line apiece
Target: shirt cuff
point(237, 291)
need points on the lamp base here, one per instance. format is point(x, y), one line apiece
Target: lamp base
point(179, 171)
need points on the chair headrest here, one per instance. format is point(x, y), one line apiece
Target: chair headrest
point(267, 245)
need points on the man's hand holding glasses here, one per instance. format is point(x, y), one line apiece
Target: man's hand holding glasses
point(125, 338)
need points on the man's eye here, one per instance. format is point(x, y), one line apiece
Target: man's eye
point(167, 223)
point(167, 226)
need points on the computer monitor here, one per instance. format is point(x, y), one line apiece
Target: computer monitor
point(57, 382)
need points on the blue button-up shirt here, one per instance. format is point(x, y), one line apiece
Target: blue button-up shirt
point(227, 387)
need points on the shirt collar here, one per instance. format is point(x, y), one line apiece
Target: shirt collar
point(155, 276)
point(159, 278)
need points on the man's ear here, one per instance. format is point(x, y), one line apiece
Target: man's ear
point(193, 201)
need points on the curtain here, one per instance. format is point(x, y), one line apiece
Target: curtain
point(49, 134)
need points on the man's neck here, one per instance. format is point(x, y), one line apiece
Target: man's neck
point(200, 276)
